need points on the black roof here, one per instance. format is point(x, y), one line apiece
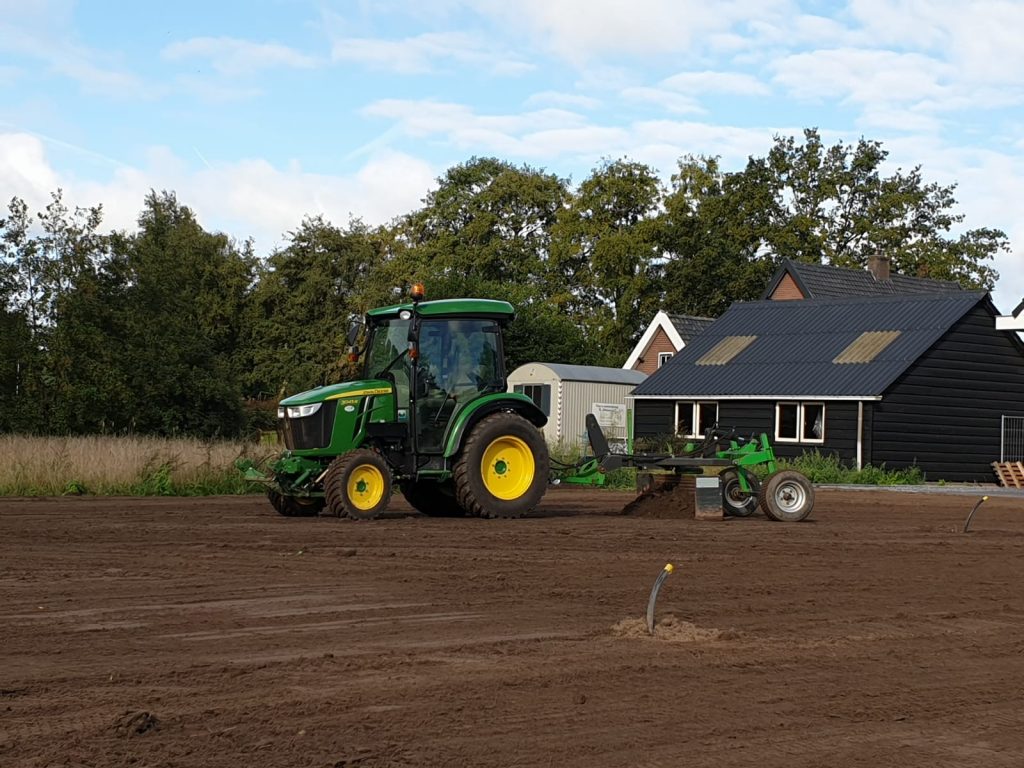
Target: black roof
point(820, 281)
point(689, 326)
point(796, 342)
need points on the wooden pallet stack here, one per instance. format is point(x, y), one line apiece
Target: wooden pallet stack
point(1010, 473)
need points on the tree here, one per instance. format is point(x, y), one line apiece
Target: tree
point(181, 312)
point(488, 218)
point(606, 261)
point(301, 308)
point(725, 232)
point(833, 205)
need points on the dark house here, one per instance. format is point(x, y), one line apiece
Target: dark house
point(898, 380)
point(795, 280)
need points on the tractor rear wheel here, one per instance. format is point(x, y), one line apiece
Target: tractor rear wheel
point(503, 468)
point(358, 485)
point(735, 501)
point(788, 497)
point(432, 498)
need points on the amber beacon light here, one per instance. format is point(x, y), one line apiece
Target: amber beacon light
point(417, 292)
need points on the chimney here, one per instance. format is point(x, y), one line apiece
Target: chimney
point(878, 265)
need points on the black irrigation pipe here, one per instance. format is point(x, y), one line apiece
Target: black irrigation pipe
point(967, 523)
point(654, 595)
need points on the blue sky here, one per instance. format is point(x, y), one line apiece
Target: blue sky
point(257, 113)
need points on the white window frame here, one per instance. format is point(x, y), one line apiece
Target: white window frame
point(664, 357)
point(800, 436)
point(694, 406)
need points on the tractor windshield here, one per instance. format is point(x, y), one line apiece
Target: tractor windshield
point(389, 341)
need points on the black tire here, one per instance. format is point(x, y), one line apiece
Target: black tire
point(277, 502)
point(788, 497)
point(292, 506)
point(511, 487)
point(358, 485)
point(735, 502)
point(432, 498)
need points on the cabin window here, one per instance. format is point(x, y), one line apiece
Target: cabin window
point(800, 422)
point(539, 393)
point(663, 357)
point(694, 419)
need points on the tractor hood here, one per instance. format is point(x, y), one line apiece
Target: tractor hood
point(339, 391)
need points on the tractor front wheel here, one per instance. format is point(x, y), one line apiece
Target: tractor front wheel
point(503, 468)
point(788, 497)
point(358, 485)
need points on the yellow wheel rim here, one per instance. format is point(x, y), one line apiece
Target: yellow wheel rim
point(365, 487)
point(507, 467)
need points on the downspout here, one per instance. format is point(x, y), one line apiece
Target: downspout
point(860, 434)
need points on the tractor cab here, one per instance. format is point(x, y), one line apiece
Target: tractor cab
point(439, 356)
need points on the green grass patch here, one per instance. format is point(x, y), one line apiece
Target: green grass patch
point(827, 468)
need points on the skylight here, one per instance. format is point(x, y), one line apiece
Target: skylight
point(726, 350)
point(866, 347)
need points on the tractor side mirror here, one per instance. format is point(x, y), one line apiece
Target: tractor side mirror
point(353, 332)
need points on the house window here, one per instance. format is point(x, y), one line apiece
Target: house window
point(539, 393)
point(694, 419)
point(800, 422)
point(663, 357)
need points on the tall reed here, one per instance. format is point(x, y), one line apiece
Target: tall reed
point(128, 465)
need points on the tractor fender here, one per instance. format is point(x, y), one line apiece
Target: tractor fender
point(484, 406)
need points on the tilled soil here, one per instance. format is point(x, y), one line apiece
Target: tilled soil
point(211, 632)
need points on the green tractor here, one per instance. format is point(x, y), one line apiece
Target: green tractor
point(430, 414)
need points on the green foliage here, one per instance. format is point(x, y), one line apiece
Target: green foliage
point(827, 468)
point(167, 330)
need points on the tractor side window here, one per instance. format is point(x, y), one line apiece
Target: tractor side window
point(463, 355)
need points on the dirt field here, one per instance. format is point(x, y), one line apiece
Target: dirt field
point(210, 632)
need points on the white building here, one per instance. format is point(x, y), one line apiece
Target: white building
point(1014, 322)
point(567, 393)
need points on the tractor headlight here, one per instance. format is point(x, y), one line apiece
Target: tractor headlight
point(301, 411)
point(280, 413)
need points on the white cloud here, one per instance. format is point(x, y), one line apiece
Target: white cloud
point(244, 198)
point(863, 76)
point(423, 53)
point(582, 30)
point(558, 99)
point(717, 83)
point(43, 32)
point(671, 101)
point(233, 57)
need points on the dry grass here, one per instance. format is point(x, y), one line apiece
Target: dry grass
point(49, 466)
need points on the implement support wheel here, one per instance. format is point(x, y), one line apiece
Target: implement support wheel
point(735, 501)
point(503, 468)
point(358, 485)
point(788, 497)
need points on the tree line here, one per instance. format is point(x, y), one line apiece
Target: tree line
point(171, 329)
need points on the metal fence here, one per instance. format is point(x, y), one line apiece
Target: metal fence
point(1011, 442)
